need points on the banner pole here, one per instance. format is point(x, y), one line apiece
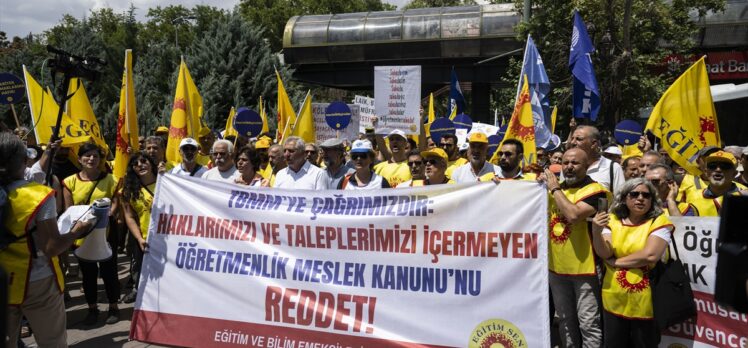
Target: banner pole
point(15, 116)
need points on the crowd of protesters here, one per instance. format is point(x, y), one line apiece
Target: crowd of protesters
point(589, 243)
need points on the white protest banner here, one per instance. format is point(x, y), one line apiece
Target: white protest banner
point(323, 130)
point(714, 326)
point(397, 98)
point(365, 111)
point(230, 265)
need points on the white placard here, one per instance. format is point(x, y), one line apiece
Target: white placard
point(397, 98)
point(365, 111)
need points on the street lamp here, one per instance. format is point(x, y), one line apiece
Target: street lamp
point(177, 21)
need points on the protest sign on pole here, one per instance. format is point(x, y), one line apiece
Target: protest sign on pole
point(379, 268)
point(714, 325)
point(323, 130)
point(366, 112)
point(397, 98)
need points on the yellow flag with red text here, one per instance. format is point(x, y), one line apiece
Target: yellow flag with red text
point(127, 120)
point(685, 119)
point(44, 111)
point(286, 114)
point(521, 126)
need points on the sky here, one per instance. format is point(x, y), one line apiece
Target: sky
point(20, 17)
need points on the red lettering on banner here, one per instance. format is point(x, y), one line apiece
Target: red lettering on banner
point(515, 245)
point(323, 309)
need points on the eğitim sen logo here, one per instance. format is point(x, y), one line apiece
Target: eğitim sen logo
point(497, 333)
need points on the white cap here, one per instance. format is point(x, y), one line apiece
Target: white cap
point(188, 141)
point(396, 132)
point(361, 146)
point(613, 150)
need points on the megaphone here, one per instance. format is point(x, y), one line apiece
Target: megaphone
point(95, 247)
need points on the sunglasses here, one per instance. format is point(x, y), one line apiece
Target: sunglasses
point(415, 163)
point(720, 165)
point(656, 182)
point(637, 194)
point(446, 145)
point(431, 162)
point(356, 156)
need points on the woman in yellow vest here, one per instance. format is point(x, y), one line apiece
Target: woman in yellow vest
point(84, 188)
point(137, 198)
point(630, 239)
point(30, 245)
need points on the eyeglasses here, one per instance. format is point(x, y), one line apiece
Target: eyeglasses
point(720, 165)
point(311, 152)
point(656, 182)
point(637, 194)
point(415, 163)
point(356, 156)
point(431, 162)
point(446, 145)
point(218, 153)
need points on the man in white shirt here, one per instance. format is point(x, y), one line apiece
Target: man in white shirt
point(222, 155)
point(601, 169)
point(299, 174)
point(188, 148)
point(477, 168)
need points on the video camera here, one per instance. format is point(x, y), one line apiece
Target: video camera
point(75, 66)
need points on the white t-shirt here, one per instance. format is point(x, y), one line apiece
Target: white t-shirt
point(217, 175)
point(600, 172)
point(374, 183)
point(464, 173)
point(308, 177)
point(178, 170)
point(662, 233)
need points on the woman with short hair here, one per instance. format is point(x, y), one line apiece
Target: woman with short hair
point(248, 163)
point(631, 239)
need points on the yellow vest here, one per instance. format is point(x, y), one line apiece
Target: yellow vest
point(23, 203)
point(452, 165)
point(81, 189)
point(394, 173)
point(570, 246)
point(628, 292)
point(142, 207)
point(709, 206)
point(690, 183)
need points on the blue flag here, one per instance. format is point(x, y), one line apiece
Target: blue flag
point(540, 87)
point(456, 99)
point(586, 95)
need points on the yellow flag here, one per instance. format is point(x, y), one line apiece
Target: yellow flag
point(521, 126)
point(185, 115)
point(431, 115)
point(230, 130)
point(44, 111)
point(264, 117)
point(304, 127)
point(286, 114)
point(631, 150)
point(78, 107)
point(684, 119)
point(127, 120)
point(554, 114)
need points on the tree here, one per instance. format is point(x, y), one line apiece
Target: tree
point(628, 47)
point(274, 14)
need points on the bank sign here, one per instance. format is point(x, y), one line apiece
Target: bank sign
point(720, 65)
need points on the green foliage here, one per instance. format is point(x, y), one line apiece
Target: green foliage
point(274, 14)
point(627, 51)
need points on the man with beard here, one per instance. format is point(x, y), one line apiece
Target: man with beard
point(300, 173)
point(333, 155)
point(188, 148)
point(573, 276)
point(601, 169)
point(448, 143)
point(510, 156)
point(395, 171)
point(477, 168)
point(223, 169)
point(312, 153)
point(720, 169)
